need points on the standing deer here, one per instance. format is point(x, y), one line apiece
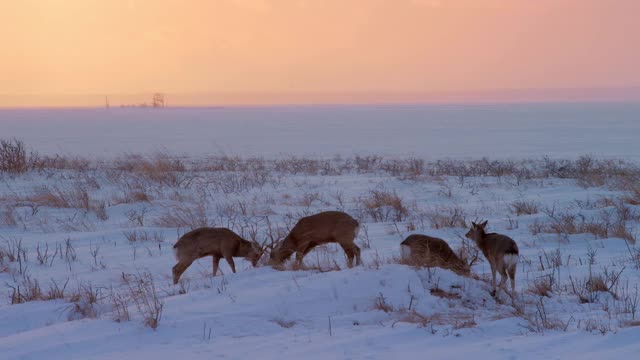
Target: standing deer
point(311, 231)
point(501, 252)
point(215, 242)
point(431, 251)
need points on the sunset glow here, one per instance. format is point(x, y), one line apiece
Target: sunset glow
point(74, 52)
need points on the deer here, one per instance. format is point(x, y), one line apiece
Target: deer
point(500, 250)
point(216, 242)
point(322, 228)
point(431, 251)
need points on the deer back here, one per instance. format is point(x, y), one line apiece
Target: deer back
point(317, 229)
point(208, 241)
point(324, 227)
point(432, 251)
point(494, 246)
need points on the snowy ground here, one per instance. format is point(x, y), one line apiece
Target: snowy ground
point(109, 226)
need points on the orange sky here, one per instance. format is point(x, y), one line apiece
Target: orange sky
point(73, 52)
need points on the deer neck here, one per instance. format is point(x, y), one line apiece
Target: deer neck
point(483, 243)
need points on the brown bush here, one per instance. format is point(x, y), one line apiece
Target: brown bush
point(181, 216)
point(13, 156)
point(447, 217)
point(523, 207)
point(382, 206)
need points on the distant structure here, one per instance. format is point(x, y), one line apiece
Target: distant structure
point(158, 100)
point(106, 102)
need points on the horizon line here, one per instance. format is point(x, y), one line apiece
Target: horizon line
point(268, 99)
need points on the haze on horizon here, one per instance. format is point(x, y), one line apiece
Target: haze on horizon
point(74, 52)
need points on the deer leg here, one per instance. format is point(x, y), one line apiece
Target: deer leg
point(356, 251)
point(512, 277)
point(231, 263)
point(503, 278)
point(493, 280)
point(348, 250)
point(216, 261)
point(178, 269)
point(301, 255)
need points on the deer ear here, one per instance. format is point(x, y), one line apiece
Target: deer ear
point(473, 224)
point(484, 223)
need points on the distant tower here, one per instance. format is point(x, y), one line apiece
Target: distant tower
point(106, 102)
point(158, 100)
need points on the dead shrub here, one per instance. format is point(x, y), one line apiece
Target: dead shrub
point(607, 223)
point(411, 168)
point(447, 217)
point(120, 305)
point(142, 292)
point(588, 290)
point(542, 286)
point(137, 216)
point(523, 207)
point(540, 320)
point(181, 216)
point(436, 291)
point(619, 230)
point(85, 301)
point(414, 317)
point(634, 195)
point(158, 168)
point(309, 198)
point(8, 216)
point(77, 197)
point(26, 290)
point(380, 303)
point(55, 291)
point(537, 227)
point(383, 206)
point(284, 323)
point(135, 236)
point(13, 156)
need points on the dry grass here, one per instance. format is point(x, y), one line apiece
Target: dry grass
point(541, 287)
point(136, 236)
point(75, 197)
point(607, 223)
point(380, 303)
point(523, 207)
point(384, 206)
point(183, 216)
point(142, 293)
point(284, 323)
point(634, 195)
point(159, 168)
point(26, 290)
point(13, 156)
point(131, 196)
point(447, 217)
point(84, 302)
point(436, 291)
point(539, 321)
point(8, 216)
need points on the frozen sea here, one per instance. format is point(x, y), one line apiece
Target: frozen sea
point(563, 130)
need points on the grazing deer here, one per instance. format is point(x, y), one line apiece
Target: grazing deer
point(501, 252)
point(431, 251)
point(318, 229)
point(216, 242)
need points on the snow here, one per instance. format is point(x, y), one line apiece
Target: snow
point(427, 131)
point(320, 312)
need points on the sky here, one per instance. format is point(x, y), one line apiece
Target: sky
point(76, 52)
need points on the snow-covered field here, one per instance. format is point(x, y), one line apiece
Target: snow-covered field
point(94, 231)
